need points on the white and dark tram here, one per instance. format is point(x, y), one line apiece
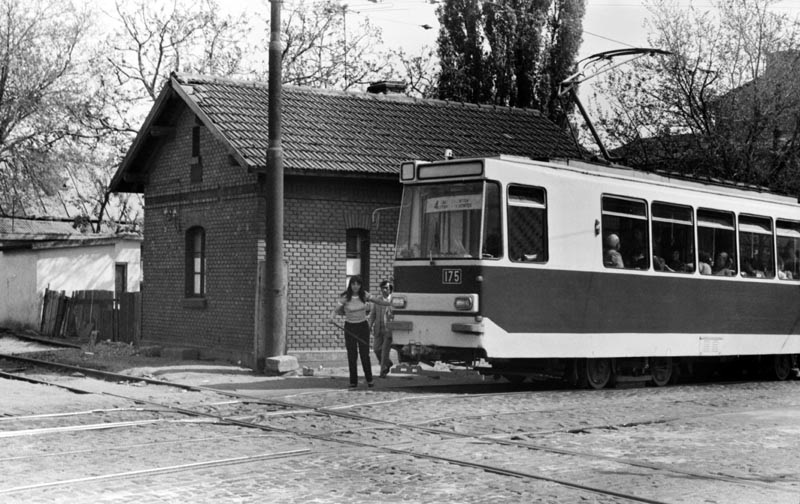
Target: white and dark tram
point(596, 272)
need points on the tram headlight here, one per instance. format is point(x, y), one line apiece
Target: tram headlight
point(463, 303)
point(399, 302)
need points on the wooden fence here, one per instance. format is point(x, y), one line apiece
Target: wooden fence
point(92, 310)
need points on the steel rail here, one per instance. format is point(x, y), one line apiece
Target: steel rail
point(130, 445)
point(159, 470)
point(92, 427)
point(487, 438)
point(397, 451)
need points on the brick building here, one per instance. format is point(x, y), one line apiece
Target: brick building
point(198, 160)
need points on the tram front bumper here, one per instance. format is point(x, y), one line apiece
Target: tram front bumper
point(456, 327)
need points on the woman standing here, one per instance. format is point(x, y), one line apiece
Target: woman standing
point(353, 304)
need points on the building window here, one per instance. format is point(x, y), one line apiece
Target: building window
point(195, 262)
point(196, 165)
point(358, 255)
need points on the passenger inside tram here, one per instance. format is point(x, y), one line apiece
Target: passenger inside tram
point(764, 264)
point(611, 256)
point(638, 259)
point(675, 264)
point(723, 265)
point(783, 272)
point(705, 263)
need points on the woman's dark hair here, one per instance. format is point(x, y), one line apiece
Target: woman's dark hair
point(349, 292)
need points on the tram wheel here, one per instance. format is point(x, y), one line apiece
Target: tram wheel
point(780, 367)
point(598, 373)
point(661, 369)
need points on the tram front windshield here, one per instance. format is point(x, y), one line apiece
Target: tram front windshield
point(450, 220)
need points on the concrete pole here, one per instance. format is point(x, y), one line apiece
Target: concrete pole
point(275, 300)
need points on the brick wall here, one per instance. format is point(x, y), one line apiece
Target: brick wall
point(224, 327)
point(317, 215)
point(229, 205)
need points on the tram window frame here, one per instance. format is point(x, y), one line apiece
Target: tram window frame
point(756, 238)
point(678, 222)
point(491, 245)
point(623, 216)
point(787, 239)
point(526, 211)
point(722, 224)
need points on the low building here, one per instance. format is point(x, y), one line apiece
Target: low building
point(199, 160)
point(37, 254)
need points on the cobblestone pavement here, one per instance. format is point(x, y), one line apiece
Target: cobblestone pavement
point(700, 443)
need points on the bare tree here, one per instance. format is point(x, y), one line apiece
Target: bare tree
point(326, 45)
point(724, 104)
point(420, 72)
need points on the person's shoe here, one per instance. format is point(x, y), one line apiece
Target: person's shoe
point(384, 372)
point(370, 384)
point(353, 385)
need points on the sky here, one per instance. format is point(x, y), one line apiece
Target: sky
point(607, 24)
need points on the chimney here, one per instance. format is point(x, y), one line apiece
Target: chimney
point(384, 87)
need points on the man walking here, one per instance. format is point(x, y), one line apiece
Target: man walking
point(379, 318)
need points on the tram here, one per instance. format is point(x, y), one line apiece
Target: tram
point(597, 273)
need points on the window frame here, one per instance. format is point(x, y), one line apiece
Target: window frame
point(644, 217)
point(711, 224)
point(545, 244)
point(752, 229)
point(692, 225)
point(193, 258)
point(795, 274)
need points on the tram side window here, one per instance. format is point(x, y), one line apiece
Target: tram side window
point(756, 254)
point(527, 224)
point(788, 249)
point(625, 240)
point(673, 238)
point(716, 242)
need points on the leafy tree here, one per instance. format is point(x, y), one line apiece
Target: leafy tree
point(461, 53)
point(725, 104)
point(75, 86)
point(41, 90)
point(508, 52)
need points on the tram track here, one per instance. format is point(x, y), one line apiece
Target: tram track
point(302, 409)
point(402, 452)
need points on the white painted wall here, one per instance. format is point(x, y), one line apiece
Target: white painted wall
point(25, 274)
point(19, 301)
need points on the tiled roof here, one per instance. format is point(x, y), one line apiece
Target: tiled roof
point(360, 132)
point(347, 132)
point(16, 228)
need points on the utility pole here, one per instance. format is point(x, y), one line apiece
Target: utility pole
point(275, 299)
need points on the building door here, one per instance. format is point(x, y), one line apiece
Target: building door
point(120, 279)
point(358, 255)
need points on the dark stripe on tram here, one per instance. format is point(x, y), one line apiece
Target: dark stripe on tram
point(531, 300)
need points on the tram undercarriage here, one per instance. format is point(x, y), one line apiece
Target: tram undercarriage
point(598, 373)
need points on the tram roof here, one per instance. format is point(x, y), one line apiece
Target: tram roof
point(672, 180)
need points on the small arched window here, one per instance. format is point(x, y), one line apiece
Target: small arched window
point(195, 262)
